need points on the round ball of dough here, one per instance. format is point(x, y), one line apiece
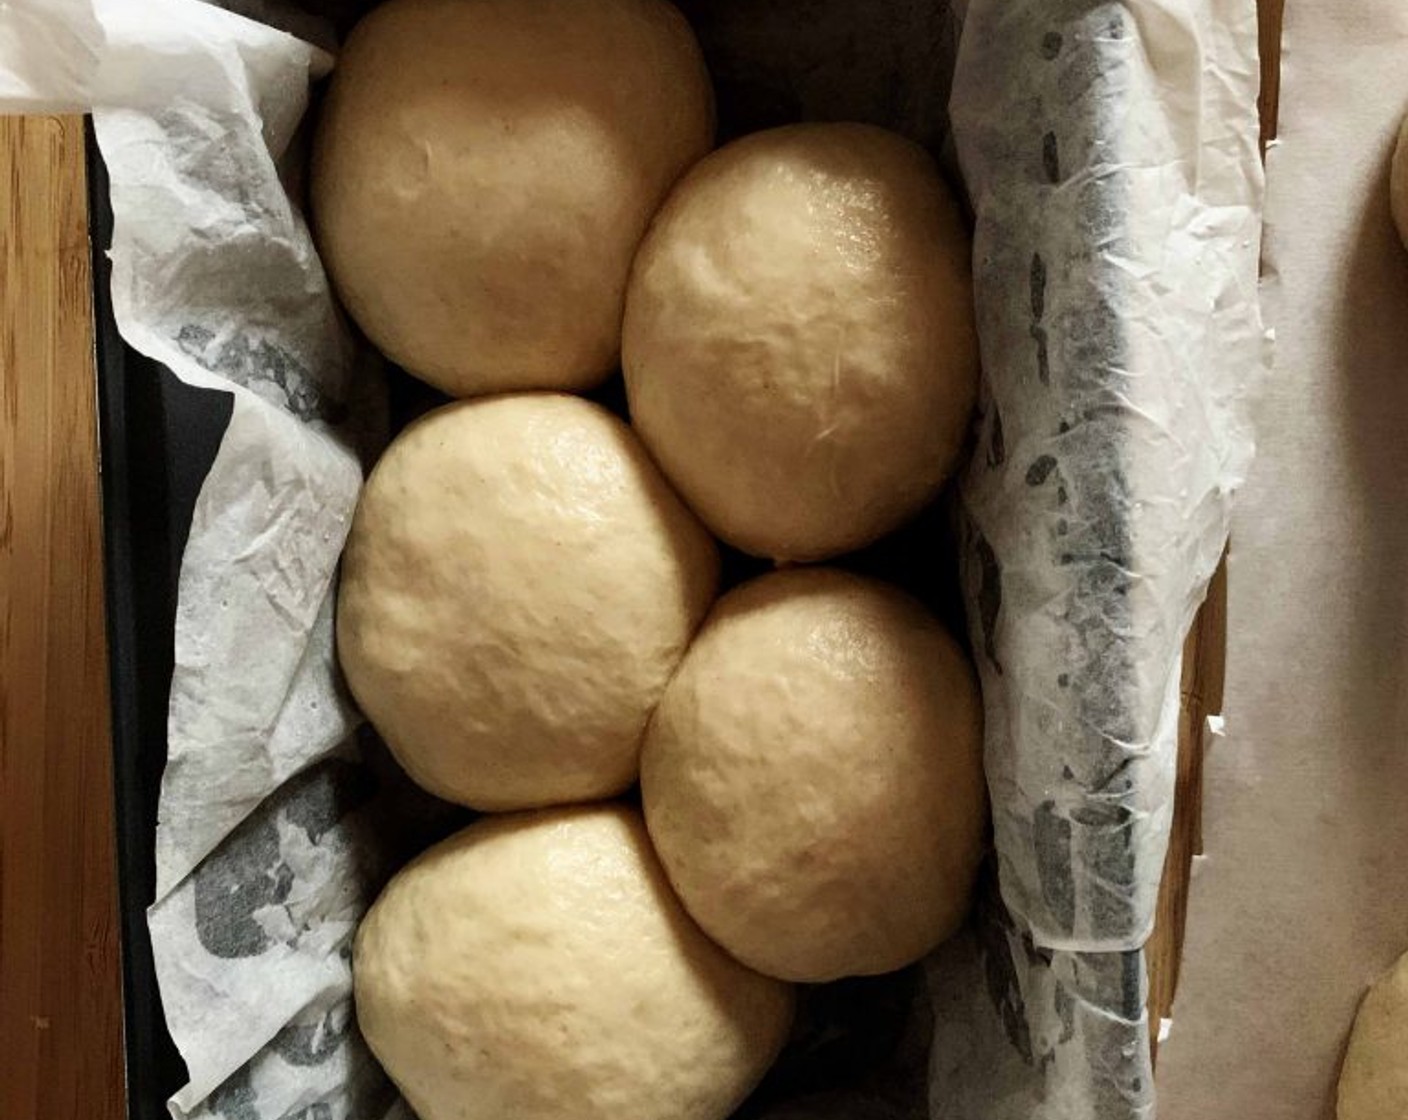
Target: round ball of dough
point(537, 967)
point(1398, 183)
point(1374, 1079)
point(518, 586)
point(484, 172)
point(799, 344)
point(813, 777)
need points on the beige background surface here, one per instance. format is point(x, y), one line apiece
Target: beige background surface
point(1302, 895)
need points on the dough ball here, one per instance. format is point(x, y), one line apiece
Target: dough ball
point(485, 169)
point(1398, 183)
point(537, 967)
point(813, 778)
point(799, 345)
point(518, 586)
point(1374, 1080)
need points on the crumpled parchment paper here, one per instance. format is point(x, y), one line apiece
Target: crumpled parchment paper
point(1109, 150)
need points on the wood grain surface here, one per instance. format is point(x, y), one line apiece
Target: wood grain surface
point(60, 992)
point(1204, 670)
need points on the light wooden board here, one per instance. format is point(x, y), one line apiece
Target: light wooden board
point(60, 996)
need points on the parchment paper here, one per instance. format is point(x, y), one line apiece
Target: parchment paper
point(1301, 897)
point(1116, 270)
point(1109, 152)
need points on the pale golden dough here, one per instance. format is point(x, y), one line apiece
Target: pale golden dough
point(1374, 1079)
point(485, 169)
point(799, 346)
point(538, 967)
point(1398, 183)
point(813, 777)
point(518, 586)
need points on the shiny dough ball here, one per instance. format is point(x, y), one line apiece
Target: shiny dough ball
point(484, 171)
point(1374, 1078)
point(518, 586)
point(537, 967)
point(799, 345)
point(813, 777)
point(1398, 183)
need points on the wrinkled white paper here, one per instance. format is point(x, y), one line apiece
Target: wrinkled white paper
point(1109, 150)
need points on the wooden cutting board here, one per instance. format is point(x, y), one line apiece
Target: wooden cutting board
point(60, 990)
point(60, 993)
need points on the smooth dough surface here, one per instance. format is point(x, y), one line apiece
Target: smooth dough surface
point(485, 169)
point(1398, 183)
point(1374, 1079)
point(518, 586)
point(799, 344)
point(813, 778)
point(538, 967)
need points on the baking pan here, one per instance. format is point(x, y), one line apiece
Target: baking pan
point(159, 437)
